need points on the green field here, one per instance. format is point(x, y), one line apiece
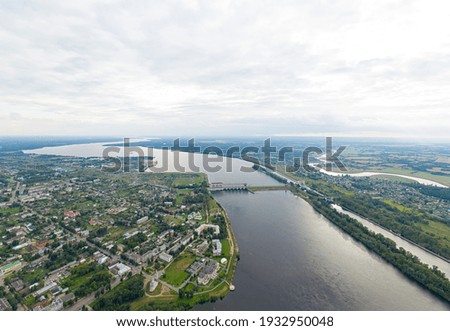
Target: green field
point(175, 274)
point(421, 174)
point(396, 205)
point(86, 278)
point(191, 180)
point(225, 247)
point(438, 229)
point(10, 211)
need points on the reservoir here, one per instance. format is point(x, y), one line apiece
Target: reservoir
point(291, 257)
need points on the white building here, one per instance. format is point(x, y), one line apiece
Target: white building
point(142, 220)
point(203, 227)
point(119, 269)
point(217, 247)
point(165, 257)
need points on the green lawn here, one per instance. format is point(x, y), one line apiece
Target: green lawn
point(141, 302)
point(396, 205)
point(225, 247)
point(439, 229)
point(194, 179)
point(175, 274)
point(10, 211)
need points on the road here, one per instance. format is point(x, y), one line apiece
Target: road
point(14, 193)
point(87, 300)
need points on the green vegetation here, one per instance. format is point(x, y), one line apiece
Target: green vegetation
point(175, 274)
point(5, 212)
point(134, 241)
point(434, 191)
point(397, 206)
point(420, 174)
point(409, 224)
point(68, 253)
point(395, 179)
point(437, 229)
point(87, 278)
point(189, 181)
point(120, 297)
point(225, 247)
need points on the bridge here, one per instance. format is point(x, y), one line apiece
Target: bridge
point(219, 186)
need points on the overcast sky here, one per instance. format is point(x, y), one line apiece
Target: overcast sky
point(149, 68)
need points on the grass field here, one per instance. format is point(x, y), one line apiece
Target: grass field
point(421, 174)
point(396, 205)
point(438, 229)
point(175, 274)
point(141, 302)
point(10, 211)
point(195, 180)
point(225, 247)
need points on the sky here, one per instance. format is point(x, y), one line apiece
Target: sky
point(225, 68)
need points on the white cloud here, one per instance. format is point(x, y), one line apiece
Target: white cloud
point(225, 67)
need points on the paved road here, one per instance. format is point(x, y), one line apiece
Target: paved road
point(87, 300)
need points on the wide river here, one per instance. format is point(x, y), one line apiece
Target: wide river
point(291, 257)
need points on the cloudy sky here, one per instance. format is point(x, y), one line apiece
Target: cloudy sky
point(149, 68)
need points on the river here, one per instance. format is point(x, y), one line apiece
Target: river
point(292, 258)
point(425, 256)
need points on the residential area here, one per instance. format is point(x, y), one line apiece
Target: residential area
point(71, 234)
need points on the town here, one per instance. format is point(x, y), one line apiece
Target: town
point(72, 236)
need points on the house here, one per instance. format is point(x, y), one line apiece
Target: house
point(187, 238)
point(153, 285)
point(93, 222)
point(175, 248)
point(4, 269)
point(203, 227)
point(195, 267)
point(4, 305)
point(142, 220)
point(102, 260)
point(17, 284)
point(45, 289)
point(209, 272)
point(71, 214)
point(15, 248)
point(217, 247)
point(201, 249)
point(129, 235)
point(165, 257)
point(196, 216)
point(166, 233)
point(119, 269)
point(56, 305)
